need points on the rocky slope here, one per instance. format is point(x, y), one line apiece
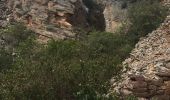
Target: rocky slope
point(147, 71)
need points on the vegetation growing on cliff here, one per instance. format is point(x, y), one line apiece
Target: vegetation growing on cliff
point(145, 16)
point(69, 69)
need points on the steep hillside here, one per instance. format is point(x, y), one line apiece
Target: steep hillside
point(146, 72)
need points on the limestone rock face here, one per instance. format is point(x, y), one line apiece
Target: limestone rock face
point(109, 13)
point(58, 18)
point(114, 12)
point(51, 18)
point(114, 15)
point(147, 71)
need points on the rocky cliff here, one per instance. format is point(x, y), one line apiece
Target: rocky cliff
point(50, 18)
point(115, 13)
point(59, 18)
point(146, 72)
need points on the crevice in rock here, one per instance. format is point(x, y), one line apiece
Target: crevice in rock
point(95, 16)
point(79, 18)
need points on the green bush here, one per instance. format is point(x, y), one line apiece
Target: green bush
point(67, 69)
point(6, 60)
point(145, 16)
point(12, 36)
point(15, 34)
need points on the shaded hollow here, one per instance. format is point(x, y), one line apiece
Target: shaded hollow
point(95, 16)
point(88, 15)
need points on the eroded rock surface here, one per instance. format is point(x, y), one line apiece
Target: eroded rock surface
point(51, 18)
point(147, 71)
point(59, 18)
point(115, 13)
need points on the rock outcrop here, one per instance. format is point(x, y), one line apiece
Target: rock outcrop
point(115, 13)
point(59, 18)
point(50, 18)
point(146, 73)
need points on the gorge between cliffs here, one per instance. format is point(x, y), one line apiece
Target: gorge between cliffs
point(84, 49)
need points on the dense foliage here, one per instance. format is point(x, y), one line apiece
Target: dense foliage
point(145, 16)
point(69, 69)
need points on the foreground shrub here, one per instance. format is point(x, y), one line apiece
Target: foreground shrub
point(67, 69)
